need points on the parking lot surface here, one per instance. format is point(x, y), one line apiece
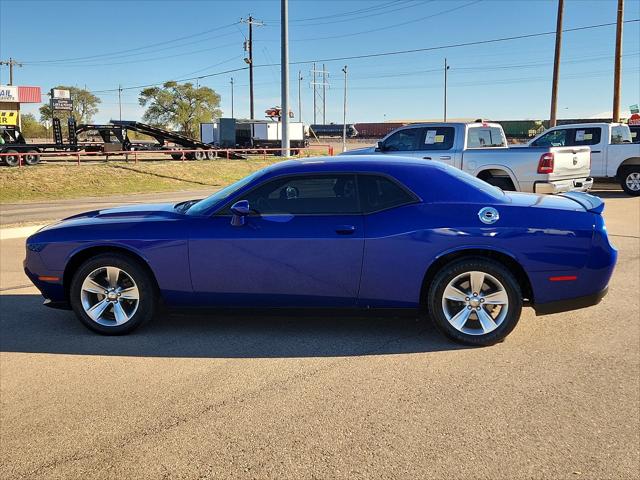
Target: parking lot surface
point(304, 397)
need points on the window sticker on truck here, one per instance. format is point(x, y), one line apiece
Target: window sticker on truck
point(439, 139)
point(430, 138)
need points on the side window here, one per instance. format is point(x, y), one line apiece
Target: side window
point(556, 138)
point(402, 141)
point(485, 137)
point(585, 136)
point(635, 138)
point(379, 193)
point(440, 138)
point(305, 194)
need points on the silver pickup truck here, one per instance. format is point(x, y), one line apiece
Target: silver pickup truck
point(480, 148)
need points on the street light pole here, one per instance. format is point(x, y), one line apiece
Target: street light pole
point(300, 95)
point(284, 61)
point(344, 112)
point(446, 67)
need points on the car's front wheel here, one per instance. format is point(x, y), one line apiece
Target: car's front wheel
point(475, 301)
point(112, 294)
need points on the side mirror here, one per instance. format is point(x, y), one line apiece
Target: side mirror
point(240, 209)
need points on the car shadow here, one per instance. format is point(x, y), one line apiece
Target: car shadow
point(27, 326)
point(610, 194)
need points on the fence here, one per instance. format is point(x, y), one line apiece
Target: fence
point(183, 154)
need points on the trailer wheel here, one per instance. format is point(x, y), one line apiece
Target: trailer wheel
point(32, 157)
point(12, 159)
point(176, 156)
point(212, 155)
point(200, 154)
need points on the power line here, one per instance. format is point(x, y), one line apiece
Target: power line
point(128, 50)
point(396, 52)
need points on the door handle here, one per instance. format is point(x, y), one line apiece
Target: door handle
point(596, 151)
point(426, 158)
point(445, 157)
point(345, 229)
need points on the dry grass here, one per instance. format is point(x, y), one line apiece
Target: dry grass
point(56, 181)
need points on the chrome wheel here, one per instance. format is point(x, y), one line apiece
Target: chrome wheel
point(475, 303)
point(109, 296)
point(633, 181)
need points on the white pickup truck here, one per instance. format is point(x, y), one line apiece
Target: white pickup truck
point(613, 153)
point(480, 148)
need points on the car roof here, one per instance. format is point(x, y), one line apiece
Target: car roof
point(359, 163)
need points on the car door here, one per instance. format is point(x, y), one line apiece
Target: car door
point(436, 143)
point(301, 246)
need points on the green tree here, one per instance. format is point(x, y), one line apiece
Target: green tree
point(32, 128)
point(180, 106)
point(85, 106)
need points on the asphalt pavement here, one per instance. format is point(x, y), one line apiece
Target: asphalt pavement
point(189, 396)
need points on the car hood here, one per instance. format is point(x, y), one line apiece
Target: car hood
point(137, 213)
point(360, 151)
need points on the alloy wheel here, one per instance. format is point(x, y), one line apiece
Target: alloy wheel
point(475, 303)
point(109, 296)
point(633, 181)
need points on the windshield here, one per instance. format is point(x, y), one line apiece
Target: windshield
point(203, 205)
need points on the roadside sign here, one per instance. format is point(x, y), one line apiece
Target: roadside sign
point(634, 108)
point(61, 104)
point(8, 93)
point(58, 93)
point(634, 119)
point(8, 117)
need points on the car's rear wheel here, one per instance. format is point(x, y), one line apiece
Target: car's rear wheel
point(475, 301)
point(630, 180)
point(112, 294)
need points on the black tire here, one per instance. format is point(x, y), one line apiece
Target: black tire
point(212, 155)
point(32, 157)
point(630, 175)
point(176, 156)
point(504, 183)
point(457, 268)
point(148, 295)
point(12, 160)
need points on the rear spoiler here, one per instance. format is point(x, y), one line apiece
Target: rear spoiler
point(591, 203)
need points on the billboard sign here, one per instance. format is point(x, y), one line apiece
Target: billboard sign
point(61, 104)
point(9, 117)
point(58, 93)
point(8, 93)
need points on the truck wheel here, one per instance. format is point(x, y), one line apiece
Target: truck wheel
point(212, 155)
point(12, 159)
point(630, 180)
point(32, 157)
point(200, 155)
point(504, 183)
point(176, 156)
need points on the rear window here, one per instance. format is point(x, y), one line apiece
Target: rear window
point(484, 137)
point(620, 134)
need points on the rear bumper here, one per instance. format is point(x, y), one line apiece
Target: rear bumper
point(561, 186)
point(570, 303)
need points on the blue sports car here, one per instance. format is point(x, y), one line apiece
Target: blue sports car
point(356, 234)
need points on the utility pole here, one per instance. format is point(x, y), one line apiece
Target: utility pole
point(300, 95)
point(446, 67)
point(556, 66)
point(344, 112)
point(618, 63)
point(248, 46)
point(119, 100)
point(232, 116)
point(313, 82)
point(11, 63)
point(324, 95)
point(284, 69)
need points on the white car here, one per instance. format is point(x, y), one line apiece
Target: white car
point(480, 149)
point(613, 153)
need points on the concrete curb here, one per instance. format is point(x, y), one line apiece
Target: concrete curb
point(18, 232)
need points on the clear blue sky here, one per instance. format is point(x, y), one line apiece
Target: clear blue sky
point(141, 42)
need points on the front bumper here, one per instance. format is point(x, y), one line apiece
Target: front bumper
point(561, 186)
point(570, 303)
